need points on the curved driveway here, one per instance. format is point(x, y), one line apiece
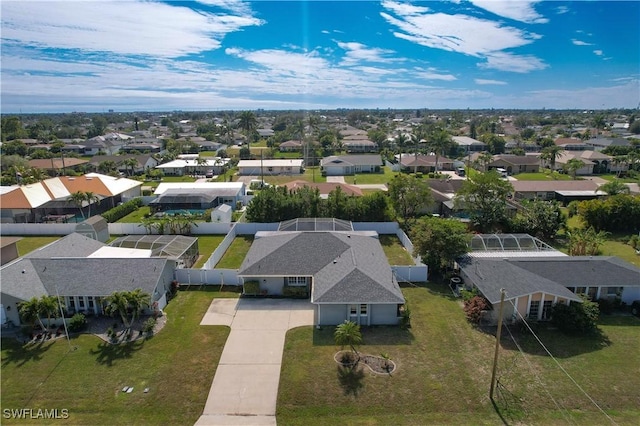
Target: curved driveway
point(245, 386)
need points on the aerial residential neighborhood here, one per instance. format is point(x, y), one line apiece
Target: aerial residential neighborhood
point(259, 213)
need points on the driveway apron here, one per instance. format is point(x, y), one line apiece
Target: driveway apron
point(245, 386)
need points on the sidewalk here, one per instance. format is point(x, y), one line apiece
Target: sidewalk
point(245, 387)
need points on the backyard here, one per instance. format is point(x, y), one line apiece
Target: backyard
point(233, 257)
point(371, 178)
point(311, 174)
point(28, 244)
point(444, 371)
point(395, 251)
point(177, 366)
point(542, 176)
point(206, 245)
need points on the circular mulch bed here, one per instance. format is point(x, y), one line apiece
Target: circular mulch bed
point(376, 364)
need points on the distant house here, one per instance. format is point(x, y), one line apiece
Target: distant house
point(110, 143)
point(197, 195)
point(571, 144)
point(290, 145)
point(359, 145)
point(515, 164)
point(141, 147)
point(343, 165)
point(181, 167)
point(291, 166)
point(598, 144)
point(143, 162)
point(71, 268)
point(344, 273)
point(48, 200)
point(467, 145)
point(58, 165)
point(325, 187)
point(564, 191)
point(424, 163)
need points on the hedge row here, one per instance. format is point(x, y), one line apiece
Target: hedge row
point(118, 212)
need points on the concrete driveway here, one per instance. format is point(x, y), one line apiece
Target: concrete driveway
point(245, 386)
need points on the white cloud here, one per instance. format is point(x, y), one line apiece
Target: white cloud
point(560, 10)
point(598, 52)
point(358, 52)
point(232, 5)
point(482, 81)
point(126, 28)
point(580, 42)
point(459, 33)
point(404, 9)
point(520, 10)
point(515, 63)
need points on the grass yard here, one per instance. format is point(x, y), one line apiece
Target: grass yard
point(233, 257)
point(28, 244)
point(136, 216)
point(206, 245)
point(178, 179)
point(311, 174)
point(614, 176)
point(371, 178)
point(444, 372)
point(542, 176)
point(395, 251)
point(177, 366)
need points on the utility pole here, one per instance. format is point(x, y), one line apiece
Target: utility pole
point(495, 356)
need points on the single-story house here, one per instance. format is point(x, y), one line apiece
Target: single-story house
point(175, 195)
point(560, 190)
point(515, 164)
point(424, 163)
point(359, 145)
point(291, 166)
point(467, 144)
point(37, 202)
point(341, 165)
point(534, 284)
point(55, 166)
point(571, 144)
point(291, 145)
point(66, 268)
point(186, 166)
point(345, 274)
point(325, 187)
point(143, 162)
point(598, 144)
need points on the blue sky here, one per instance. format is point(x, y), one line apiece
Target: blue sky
point(226, 54)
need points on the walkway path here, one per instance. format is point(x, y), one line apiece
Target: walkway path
point(335, 179)
point(245, 387)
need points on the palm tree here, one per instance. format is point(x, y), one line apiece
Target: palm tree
point(573, 166)
point(107, 167)
point(91, 198)
point(614, 187)
point(130, 163)
point(401, 142)
point(551, 154)
point(348, 333)
point(125, 303)
point(484, 159)
point(30, 312)
point(49, 307)
point(439, 141)
point(78, 198)
point(248, 123)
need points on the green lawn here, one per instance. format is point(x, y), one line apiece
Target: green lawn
point(542, 176)
point(136, 216)
point(178, 179)
point(311, 174)
point(206, 245)
point(28, 244)
point(614, 176)
point(177, 366)
point(395, 251)
point(444, 372)
point(233, 257)
point(371, 178)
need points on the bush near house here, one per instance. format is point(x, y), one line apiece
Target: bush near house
point(474, 307)
point(576, 318)
point(77, 322)
point(252, 287)
point(122, 210)
point(296, 292)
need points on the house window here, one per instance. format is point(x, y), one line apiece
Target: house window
point(72, 302)
point(270, 169)
point(90, 300)
point(353, 310)
point(363, 310)
point(534, 309)
point(593, 293)
point(614, 292)
point(81, 302)
point(581, 290)
point(296, 281)
point(546, 309)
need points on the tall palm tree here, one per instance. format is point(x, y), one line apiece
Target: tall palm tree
point(30, 312)
point(130, 163)
point(551, 154)
point(439, 142)
point(573, 166)
point(91, 198)
point(248, 123)
point(127, 304)
point(348, 333)
point(484, 159)
point(49, 307)
point(401, 142)
point(78, 198)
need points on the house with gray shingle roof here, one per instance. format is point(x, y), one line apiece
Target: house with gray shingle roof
point(342, 165)
point(70, 268)
point(345, 273)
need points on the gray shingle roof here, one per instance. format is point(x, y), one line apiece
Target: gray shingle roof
point(347, 267)
point(72, 245)
point(356, 160)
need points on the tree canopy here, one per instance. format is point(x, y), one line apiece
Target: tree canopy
point(542, 219)
point(409, 196)
point(438, 241)
point(484, 197)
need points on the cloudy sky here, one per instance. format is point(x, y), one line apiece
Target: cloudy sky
point(226, 54)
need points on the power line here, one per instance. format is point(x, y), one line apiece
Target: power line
point(559, 406)
point(560, 366)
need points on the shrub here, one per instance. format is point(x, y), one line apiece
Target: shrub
point(405, 317)
point(572, 208)
point(77, 322)
point(110, 332)
point(474, 308)
point(122, 210)
point(633, 241)
point(298, 292)
point(419, 175)
point(468, 294)
point(252, 287)
point(148, 325)
point(575, 318)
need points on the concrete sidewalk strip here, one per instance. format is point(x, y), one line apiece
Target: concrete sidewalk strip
point(252, 392)
point(220, 312)
point(253, 347)
point(224, 420)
